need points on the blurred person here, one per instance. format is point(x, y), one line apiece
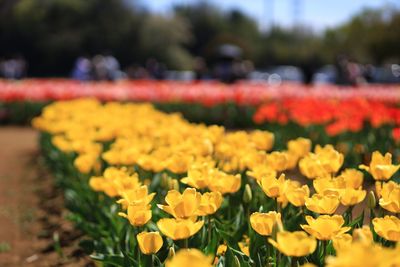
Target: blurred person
point(21, 67)
point(200, 69)
point(82, 70)
point(155, 69)
point(224, 71)
point(369, 72)
point(112, 67)
point(229, 67)
point(136, 72)
point(13, 68)
point(342, 77)
point(355, 72)
point(248, 67)
point(100, 71)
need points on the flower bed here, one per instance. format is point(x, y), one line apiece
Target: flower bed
point(207, 93)
point(145, 186)
point(356, 120)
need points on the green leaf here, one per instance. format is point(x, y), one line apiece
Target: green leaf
point(232, 255)
point(256, 243)
point(212, 245)
point(112, 259)
point(358, 222)
point(87, 246)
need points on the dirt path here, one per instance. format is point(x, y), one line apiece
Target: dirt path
point(17, 197)
point(31, 208)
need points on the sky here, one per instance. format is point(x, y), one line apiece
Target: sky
point(319, 14)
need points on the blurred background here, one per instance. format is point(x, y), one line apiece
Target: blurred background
point(305, 41)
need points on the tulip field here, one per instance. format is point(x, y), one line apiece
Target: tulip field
point(310, 180)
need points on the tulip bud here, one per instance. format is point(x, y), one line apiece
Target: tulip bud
point(247, 194)
point(275, 229)
point(175, 185)
point(371, 200)
point(164, 181)
point(236, 262)
point(171, 252)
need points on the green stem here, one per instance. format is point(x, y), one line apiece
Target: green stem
point(295, 261)
point(209, 229)
point(350, 211)
point(229, 207)
point(278, 257)
point(138, 252)
point(186, 243)
point(371, 216)
point(324, 247)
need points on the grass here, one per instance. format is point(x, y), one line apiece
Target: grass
point(4, 247)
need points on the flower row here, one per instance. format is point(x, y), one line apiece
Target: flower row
point(207, 93)
point(152, 189)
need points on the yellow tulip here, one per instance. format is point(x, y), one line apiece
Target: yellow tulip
point(387, 227)
point(330, 158)
point(100, 184)
point(350, 196)
point(292, 159)
point(225, 183)
point(341, 242)
point(189, 257)
point(381, 167)
point(135, 196)
point(115, 181)
point(324, 162)
point(390, 197)
point(179, 228)
point(294, 244)
point(149, 243)
point(298, 196)
point(151, 162)
point(262, 140)
point(277, 160)
point(322, 204)
point(363, 234)
point(288, 185)
point(271, 186)
point(138, 215)
point(329, 186)
point(352, 178)
point(221, 249)
point(300, 146)
point(311, 167)
point(86, 162)
point(325, 227)
point(183, 205)
point(210, 203)
point(62, 143)
point(178, 163)
point(199, 175)
point(244, 246)
point(261, 171)
point(263, 223)
point(361, 254)
point(253, 159)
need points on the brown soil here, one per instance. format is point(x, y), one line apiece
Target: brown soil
point(32, 218)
